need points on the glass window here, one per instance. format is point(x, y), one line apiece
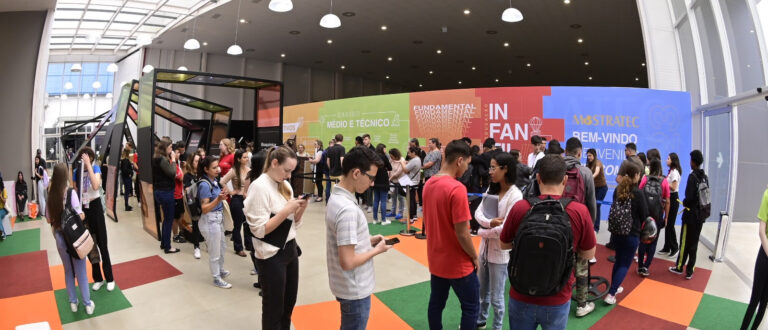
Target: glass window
point(714, 65)
point(745, 50)
point(689, 62)
point(55, 69)
point(53, 85)
point(90, 68)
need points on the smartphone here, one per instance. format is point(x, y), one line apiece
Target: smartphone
point(304, 196)
point(392, 241)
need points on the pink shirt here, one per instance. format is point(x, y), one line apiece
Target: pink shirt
point(664, 187)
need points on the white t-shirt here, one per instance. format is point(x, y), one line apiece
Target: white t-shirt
point(533, 158)
point(674, 176)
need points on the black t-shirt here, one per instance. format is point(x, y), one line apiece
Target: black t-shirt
point(334, 156)
point(382, 176)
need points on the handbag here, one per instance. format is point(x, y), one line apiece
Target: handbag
point(228, 223)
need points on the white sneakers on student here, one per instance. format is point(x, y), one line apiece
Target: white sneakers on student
point(588, 308)
point(90, 308)
point(73, 307)
point(386, 222)
point(110, 286)
point(610, 299)
point(197, 253)
point(97, 286)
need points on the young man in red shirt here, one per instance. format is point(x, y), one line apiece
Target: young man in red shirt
point(452, 257)
point(551, 312)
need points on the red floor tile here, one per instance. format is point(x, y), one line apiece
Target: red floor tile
point(142, 271)
point(25, 274)
point(625, 318)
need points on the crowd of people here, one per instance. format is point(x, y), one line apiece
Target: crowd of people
point(537, 220)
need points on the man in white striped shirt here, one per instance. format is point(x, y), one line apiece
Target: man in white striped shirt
point(349, 246)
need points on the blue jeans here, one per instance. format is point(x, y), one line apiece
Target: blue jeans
point(379, 199)
point(3, 213)
point(212, 228)
point(398, 203)
point(523, 316)
point(645, 253)
point(354, 313)
point(626, 245)
point(599, 196)
point(69, 276)
point(166, 201)
point(492, 278)
point(467, 289)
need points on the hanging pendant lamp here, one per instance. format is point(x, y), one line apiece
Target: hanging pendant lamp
point(192, 43)
point(330, 21)
point(511, 15)
point(235, 49)
point(280, 6)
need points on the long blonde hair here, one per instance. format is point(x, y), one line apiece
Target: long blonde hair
point(281, 153)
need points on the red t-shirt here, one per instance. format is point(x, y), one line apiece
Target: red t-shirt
point(583, 239)
point(179, 184)
point(445, 204)
point(226, 163)
point(136, 159)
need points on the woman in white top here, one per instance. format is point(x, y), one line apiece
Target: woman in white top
point(237, 176)
point(317, 168)
point(398, 170)
point(413, 168)
point(273, 216)
point(670, 236)
point(493, 259)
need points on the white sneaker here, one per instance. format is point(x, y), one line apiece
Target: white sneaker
point(610, 299)
point(73, 307)
point(582, 311)
point(110, 286)
point(218, 282)
point(89, 309)
point(197, 253)
point(620, 290)
point(592, 261)
point(97, 286)
point(370, 210)
point(224, 274)
point(386, 222)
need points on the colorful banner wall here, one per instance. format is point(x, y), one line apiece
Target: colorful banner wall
point(602, 118)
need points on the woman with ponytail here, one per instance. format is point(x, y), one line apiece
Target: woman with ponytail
point(273, 216)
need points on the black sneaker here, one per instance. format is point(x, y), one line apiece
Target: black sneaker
point(675, 270)
point(689, 276)
point(481, 325)
point(664, 251)
point(673, 253)
point(612, 259)
point(644, 272)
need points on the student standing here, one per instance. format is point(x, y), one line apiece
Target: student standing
point(673, 177)
point(88, 182)
point(326, 170)
point(493, 259)
point(178, 196)
point(126, 176)
point(349, 246)
point(21, 195)
point(628, 212)
point(163, 174)
point(414, 172)
point(40, 182)
point(335, 157)
point(212, 219)
point(73, 266)
point(693, 219)
point(238, 176)
point(601, 186)
point(226, 155)
point(656, 190)
point(317, 169)
point(381, 186)
point(759, 297)
point(538, 151)
point(398, 170)
point(268, 205)
point(190, 178)
point(549, 311)
point(452, 257)
point(433, 159)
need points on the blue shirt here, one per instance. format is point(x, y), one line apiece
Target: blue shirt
point(204, 191)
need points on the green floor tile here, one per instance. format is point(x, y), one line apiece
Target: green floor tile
point(718, 313)
point(22, 241)
point(387, 230)
point(106, 302)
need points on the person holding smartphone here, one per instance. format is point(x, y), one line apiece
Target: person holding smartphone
point(349, 246)
point(273, 216)
point(163, 175)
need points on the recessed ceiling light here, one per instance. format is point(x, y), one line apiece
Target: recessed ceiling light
point(348, 14)
point(205, 43)
point(567, 2)
point(637, 79)
point(431, 72)
point(580, 40)
point(383, 27)
point(294, 32)
point(467, 12)
point(491, 32)
point(343, 67)
point(389, 58)
point(474, 68)
point(386, 77)
point(282, 55)
point(459, 82)
point(586, 63)
point(439, 51)
point(643, 64)
point(575, 26)
point(243, 21)
point(528, 65)
point(420, 85)
point(497, 80)
point(590, 78)
point(329, 41)
point(506, 44)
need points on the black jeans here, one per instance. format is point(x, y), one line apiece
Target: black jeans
point(279, 278)
point(319, 183)
point(21, 204)
point(759, 292)
point(128, 184)
point(689, 239)
point(414, 191)
point(238, 219)
point(94, 216)
point(670, 236)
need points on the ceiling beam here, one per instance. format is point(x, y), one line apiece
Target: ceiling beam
point(140, 23)
point(77, 30)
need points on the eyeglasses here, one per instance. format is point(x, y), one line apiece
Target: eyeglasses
point(371, 177)
point(494, 168)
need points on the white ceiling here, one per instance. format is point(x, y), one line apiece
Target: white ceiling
point(546, 38)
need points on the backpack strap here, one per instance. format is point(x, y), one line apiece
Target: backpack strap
point(68, 202)
point(565, 201)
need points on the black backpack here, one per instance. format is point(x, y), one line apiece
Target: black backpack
point(653, 198)
point(78, 239)
point(542, 257)
point(704, 195)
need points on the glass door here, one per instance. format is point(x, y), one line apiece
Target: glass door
point(717, 164)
